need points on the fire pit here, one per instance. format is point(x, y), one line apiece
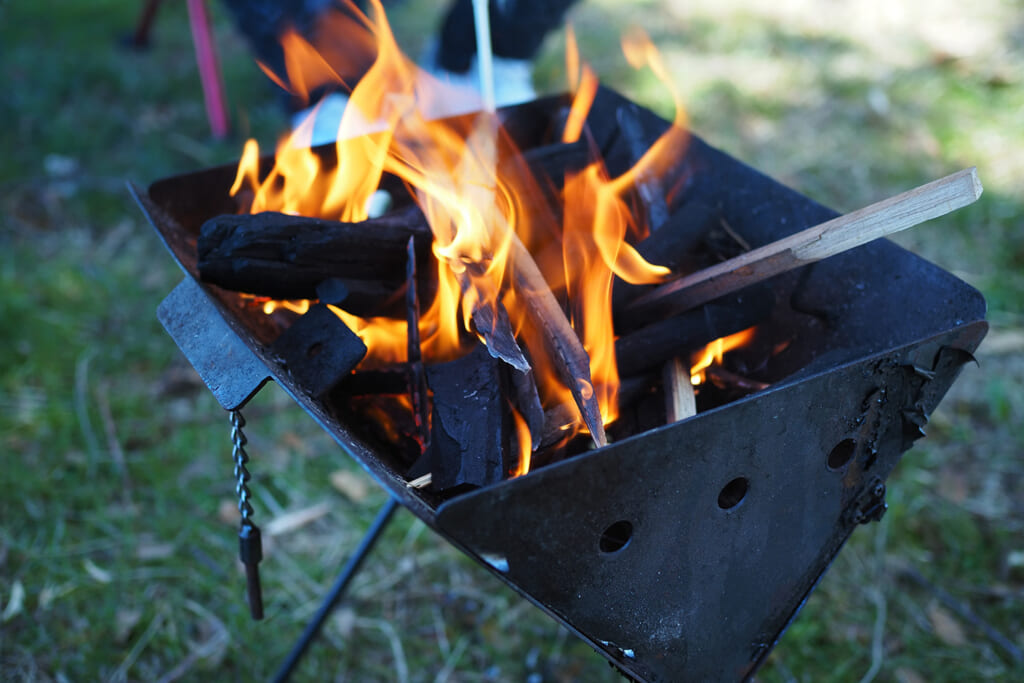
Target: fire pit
point(681, 550)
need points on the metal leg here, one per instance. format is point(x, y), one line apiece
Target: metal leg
point(340, 584)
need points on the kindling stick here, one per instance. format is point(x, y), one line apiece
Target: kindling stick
point(827, 239)
point(680, 400)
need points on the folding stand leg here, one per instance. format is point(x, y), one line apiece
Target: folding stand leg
point(340, 584)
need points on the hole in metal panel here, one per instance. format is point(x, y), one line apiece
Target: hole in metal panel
point(616, 537)
point(733, 493)
point(314, 350)
point(842, 454)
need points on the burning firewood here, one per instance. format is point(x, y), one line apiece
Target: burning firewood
point(570, 357)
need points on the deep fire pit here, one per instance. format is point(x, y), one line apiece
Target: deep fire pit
point(684, 551)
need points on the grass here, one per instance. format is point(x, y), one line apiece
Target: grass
point(116, 546)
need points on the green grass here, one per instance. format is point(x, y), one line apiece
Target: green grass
point(116, 463)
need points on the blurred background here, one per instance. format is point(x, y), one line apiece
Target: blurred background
point(117, 521)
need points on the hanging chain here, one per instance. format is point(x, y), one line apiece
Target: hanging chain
point(250, 544)
point(241, 459)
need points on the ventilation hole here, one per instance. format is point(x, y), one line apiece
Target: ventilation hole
point(842, 454)
point(733, 493)
point(616, 537)
point(314, 350)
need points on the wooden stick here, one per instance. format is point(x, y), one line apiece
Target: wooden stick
point(827, 239)
point(567, 350)
point(680, 401)
point(421, 482)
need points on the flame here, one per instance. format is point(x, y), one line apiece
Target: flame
point(596, 221)
point(524, 442)
point(582, 83)
point(713, 353)
point(476, 215)
point(300, 306)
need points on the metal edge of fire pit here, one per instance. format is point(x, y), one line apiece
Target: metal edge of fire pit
point(194, 308)
point(692, 590)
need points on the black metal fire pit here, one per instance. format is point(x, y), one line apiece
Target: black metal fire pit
point(681, 553)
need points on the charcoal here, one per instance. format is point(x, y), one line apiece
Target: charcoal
point(319, 350)
point(287, 257)
point(471, 422)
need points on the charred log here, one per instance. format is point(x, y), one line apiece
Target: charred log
point(288, 257)
point(651, 346)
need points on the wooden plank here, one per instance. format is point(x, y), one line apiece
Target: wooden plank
point(827, 239)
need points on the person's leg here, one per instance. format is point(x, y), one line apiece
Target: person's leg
point(518, 28)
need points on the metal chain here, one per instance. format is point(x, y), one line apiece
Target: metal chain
point(250, 545)
point(241, 458)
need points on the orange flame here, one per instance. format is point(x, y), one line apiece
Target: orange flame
point(475, 214)
point(713, 353)
point(596, 222)
point(524, 442)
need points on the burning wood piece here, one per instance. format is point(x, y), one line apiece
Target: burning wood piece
point(417, 377)
point(319, 350)
point(527, 401)
point(493, 324)
point(571, 359)
point(557, 424)
point(288, 257)
point(650, 347)
point(680, 400)
point(828, 239)
point(471, 422)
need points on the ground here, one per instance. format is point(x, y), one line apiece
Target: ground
point(117, 538)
